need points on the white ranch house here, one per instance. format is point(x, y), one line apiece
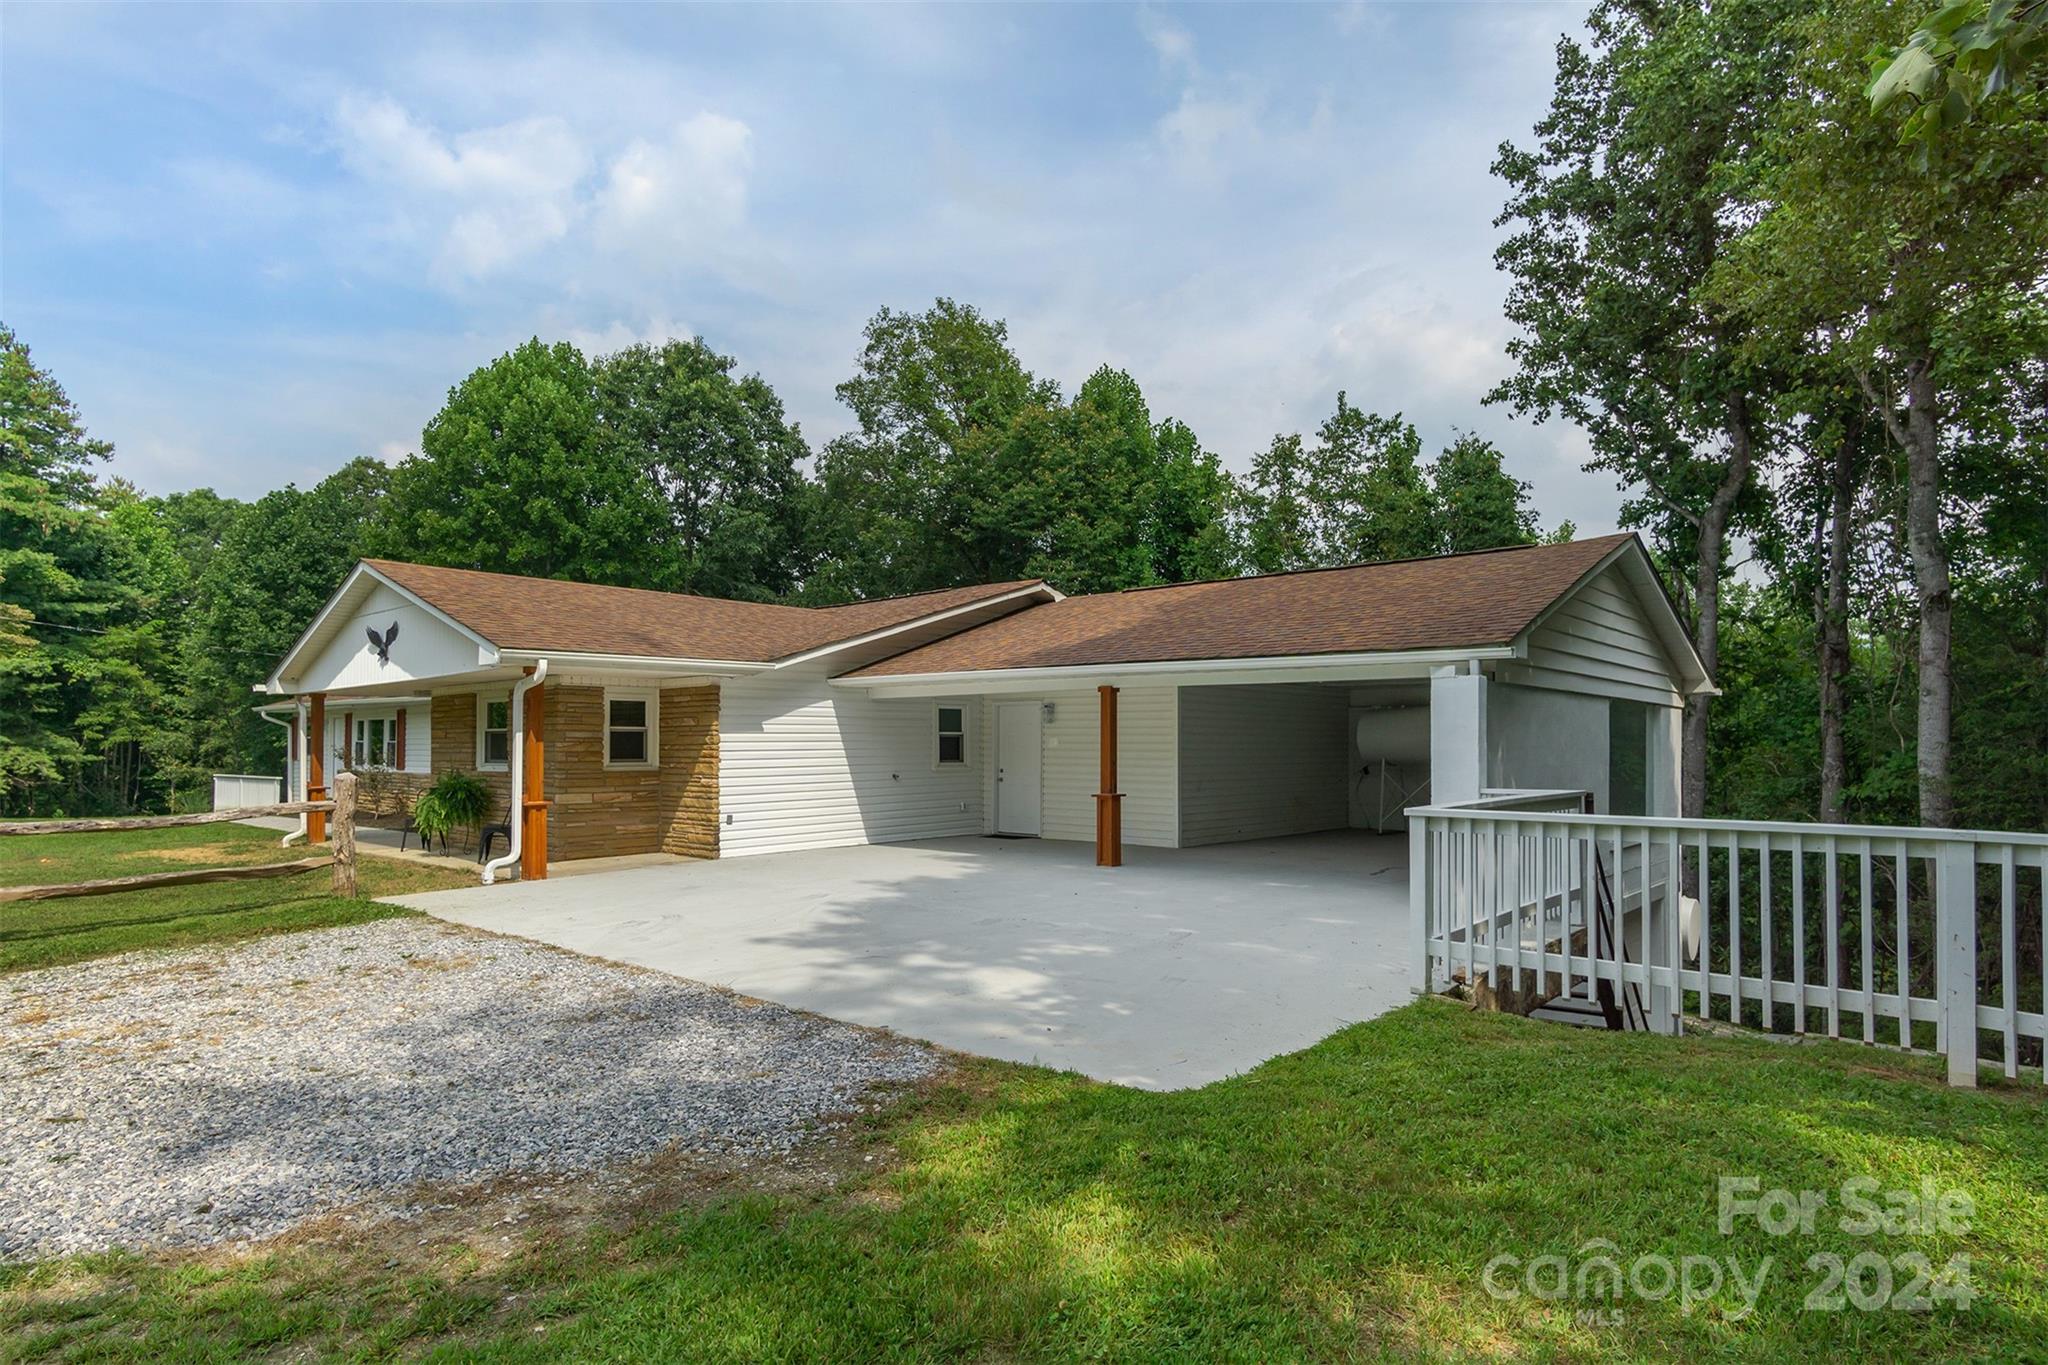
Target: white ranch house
point(1502, 725)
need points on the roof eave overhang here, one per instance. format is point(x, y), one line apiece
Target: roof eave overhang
point(1385, 665)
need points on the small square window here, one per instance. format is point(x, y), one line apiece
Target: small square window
point(952, 730)
point(628, 731)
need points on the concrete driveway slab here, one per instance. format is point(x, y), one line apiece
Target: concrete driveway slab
point(1183, 966)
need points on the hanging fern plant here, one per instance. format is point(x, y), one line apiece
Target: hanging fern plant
point(457, 800)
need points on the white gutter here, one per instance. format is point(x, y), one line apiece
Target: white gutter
point(295, 761)
point(517, 740)
point(636, 663)
point(969, 679)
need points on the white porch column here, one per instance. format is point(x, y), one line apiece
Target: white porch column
point(1457, 734)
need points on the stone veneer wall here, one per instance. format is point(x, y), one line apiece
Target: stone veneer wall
point(601, 812)
point(689, 771)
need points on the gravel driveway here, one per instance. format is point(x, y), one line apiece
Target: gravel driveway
point(191, 1097)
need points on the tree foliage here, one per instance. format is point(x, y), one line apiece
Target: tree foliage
point(721, 452)
point(517, 474)
point(1965, 53)
point(1362, 492)
point(80, 640)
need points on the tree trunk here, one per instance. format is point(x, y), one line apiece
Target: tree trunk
point(1834, 624)
point(1713, 533)
point(1931, 579)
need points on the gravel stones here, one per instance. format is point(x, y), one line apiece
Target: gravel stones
point(192, 1097)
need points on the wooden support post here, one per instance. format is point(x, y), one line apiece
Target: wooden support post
point(533, 845)
point(316, 766)
point(1109, 802)
point(345, 835)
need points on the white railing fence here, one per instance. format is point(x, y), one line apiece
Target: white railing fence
point(1916, 938)
point(232, 791)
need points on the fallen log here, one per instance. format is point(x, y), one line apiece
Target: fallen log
point(191, 877)
point(204, 817)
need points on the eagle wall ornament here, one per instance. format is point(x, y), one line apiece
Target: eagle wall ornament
point(382, 643)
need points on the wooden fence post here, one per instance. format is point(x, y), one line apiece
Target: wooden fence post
point(345, 835)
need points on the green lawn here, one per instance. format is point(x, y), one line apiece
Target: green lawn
point(46, 933)
point(1342, 1202)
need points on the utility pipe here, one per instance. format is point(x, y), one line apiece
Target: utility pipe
point(295, 762)
point(517, 739)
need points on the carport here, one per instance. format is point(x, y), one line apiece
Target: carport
point(1185, 966)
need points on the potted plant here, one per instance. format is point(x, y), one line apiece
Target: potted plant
point(457, 800)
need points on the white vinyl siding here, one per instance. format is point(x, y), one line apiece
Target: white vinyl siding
point(419, 727)
point(804, 764)
point(1599, 641)
point(419, 738)
point(1541, 738)
point(1146, 763)
point(1261, 761)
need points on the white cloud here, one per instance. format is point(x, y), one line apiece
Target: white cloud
point(493, 195)
point(1171, 43)
point(619, 334)
point(1204, 135)
point(662, 199)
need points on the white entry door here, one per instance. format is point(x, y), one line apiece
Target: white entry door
point(1017, 757)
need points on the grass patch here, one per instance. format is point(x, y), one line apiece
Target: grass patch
point(1341, 1202)
point(49, 933)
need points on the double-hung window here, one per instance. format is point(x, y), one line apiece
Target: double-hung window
point(952, 736)
point(629, 728)
point(494, 733)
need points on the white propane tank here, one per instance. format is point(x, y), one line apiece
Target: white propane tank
point(1396, 734)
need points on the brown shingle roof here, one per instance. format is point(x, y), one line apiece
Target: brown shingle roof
point(1453, 601)
point(547, 613)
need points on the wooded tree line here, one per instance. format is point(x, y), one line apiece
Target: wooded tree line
point(1795, 337)
point(1802, 320)
point(133, 626)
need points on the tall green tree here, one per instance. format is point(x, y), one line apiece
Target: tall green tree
point(1618, 209)
point(1278, 533)
point(1187, 529)
point(905, 496)
point(725, 457)
point(1919, 276)
point(1369, 497)
point(517, 474)
point(78, 647)
point(1479, 505)
point(277, 563)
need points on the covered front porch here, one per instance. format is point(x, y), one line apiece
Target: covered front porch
point(1186, 966)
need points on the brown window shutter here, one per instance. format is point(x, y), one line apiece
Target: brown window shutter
point(398, 741)
point(348, 739)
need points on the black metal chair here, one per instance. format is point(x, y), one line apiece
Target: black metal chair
point(489, 834)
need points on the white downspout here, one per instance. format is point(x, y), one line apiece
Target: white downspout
point(296, 764)
point(517, 740)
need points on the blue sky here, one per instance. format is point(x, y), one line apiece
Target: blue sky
point(255, 242)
